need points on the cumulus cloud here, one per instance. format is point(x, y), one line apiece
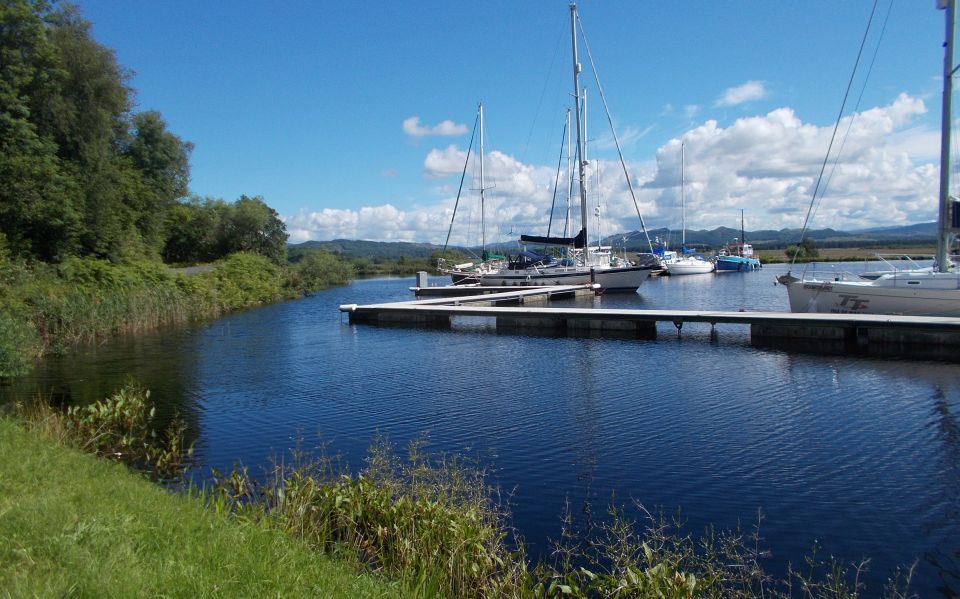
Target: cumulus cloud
point(447, 128)
point(766, 164)
point(749, 91)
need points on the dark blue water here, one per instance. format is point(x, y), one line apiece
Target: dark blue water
point(858, 455)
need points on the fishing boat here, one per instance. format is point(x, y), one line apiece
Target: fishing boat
point(738, 256)
point(687, 263)
point(582, 264)
point(914, 292)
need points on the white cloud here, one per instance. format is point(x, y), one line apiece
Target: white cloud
point(413, 128)
point(765, 164)
point(749, 91)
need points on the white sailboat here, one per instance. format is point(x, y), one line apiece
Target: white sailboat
point(686, 264)
point(920, 292)
point(468, 273)
point(584, 264)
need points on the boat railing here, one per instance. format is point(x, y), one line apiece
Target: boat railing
point(898, 262)
point(822, 271)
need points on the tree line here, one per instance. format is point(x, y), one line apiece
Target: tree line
point(84, 174)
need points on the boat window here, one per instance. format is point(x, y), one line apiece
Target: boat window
point(913, 282)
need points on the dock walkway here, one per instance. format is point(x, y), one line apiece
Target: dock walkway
point(891, 335)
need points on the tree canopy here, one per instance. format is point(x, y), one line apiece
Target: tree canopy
point(83, 174)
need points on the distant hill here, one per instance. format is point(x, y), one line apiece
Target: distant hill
point(909, 235)
point(371, 249)
point(905, 236)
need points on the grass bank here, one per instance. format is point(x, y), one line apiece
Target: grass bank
point(75, 525)
point(48, 308)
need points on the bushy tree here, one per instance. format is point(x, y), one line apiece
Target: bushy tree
point(255, 227)
point(81, 174)
point(204, 230)
point(806, 250)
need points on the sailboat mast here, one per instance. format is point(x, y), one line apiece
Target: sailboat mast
point(743, 235)
point(582, 163)
point(566, 222)
point(683, 214)
point(944, 221)
point(483, 224)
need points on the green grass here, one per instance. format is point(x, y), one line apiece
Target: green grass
point(74, 525)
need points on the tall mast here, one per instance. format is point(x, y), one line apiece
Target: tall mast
point(683, 214)
point(943, 239)
point(483, 224)
point(576, 102)
point(566, 222)
point(743, 235)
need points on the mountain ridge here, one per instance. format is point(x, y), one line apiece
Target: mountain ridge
point(907, 235)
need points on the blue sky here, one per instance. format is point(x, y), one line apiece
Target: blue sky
point(352, 119)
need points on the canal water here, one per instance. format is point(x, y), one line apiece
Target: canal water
point(860, 456)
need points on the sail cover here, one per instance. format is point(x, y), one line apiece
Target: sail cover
point(580, 241)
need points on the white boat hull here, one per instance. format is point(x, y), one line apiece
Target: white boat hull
point(627, 278)
point(689, 267)
point(912, 294)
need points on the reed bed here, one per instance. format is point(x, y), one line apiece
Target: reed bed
point(50, 308)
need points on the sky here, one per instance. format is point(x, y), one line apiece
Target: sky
point(353, 119)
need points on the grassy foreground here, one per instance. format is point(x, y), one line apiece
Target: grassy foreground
point(75, 525)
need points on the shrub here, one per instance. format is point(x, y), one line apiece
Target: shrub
point(317, 270)
point(119, 428)
point(243, 280)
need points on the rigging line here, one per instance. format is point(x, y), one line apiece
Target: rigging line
point(556, 183)
point(463, 175)
point(616, 141)
point(543, 93)
point(833, 136)
point(856, 108)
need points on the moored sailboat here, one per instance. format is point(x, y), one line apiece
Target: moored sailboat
point(687, 263)
point(469, 272)
point(583, 264)
point(914, 292)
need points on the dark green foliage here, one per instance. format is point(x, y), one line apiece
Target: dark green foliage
point(195, 230)
point(205, 229)
point(804, 252)
point(82, 175)
point(318, 269)
point(253, 226)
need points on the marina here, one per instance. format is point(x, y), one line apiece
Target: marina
point(510, 309)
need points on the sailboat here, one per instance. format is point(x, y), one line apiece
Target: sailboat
point(468, 273)
point(686, 264)
point(920, 292)
point(583, 264)
point(738, 255)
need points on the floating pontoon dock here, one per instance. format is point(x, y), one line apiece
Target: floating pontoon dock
point(888, 335)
